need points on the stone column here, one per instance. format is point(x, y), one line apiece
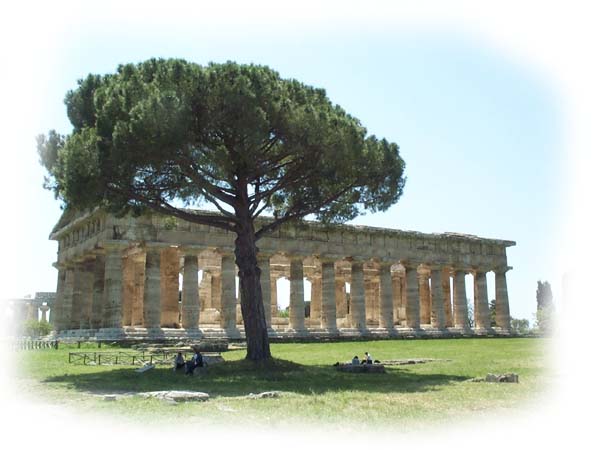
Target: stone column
point(502, 307)
point(397, 297)
point(169, 288)
point(137, 309)
point(57, 307)
point(98, 292)
point(447, 297)
point(87, 294)
point(113, 287)
point(77, 293)
point(438, 311)
point(316, 301)
point(44, 309)
point(190, 304)
point(264, 264)
point(67, 308)
point(358, 318)
point(151, 307)
point(228, 293)
point(482, 306)
point(128, 289)
point(297, 294)
point(424, 297)
point(461, 319)
point(386, 302)
point(340, 297)
point(274, 308)
point(412, 297)
point(205, 291)
point(328, 316)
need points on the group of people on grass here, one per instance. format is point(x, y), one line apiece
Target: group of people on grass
point(367, 360)
point(190, 365)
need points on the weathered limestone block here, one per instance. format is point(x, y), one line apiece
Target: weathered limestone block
point(177, 396)
point(361, 368)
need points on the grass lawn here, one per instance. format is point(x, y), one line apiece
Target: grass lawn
point(313, 391)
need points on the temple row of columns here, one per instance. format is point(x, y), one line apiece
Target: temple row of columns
point(121, 287)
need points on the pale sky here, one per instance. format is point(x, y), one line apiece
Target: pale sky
point(480, 130)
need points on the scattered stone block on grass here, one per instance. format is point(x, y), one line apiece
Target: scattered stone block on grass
point(268, 394)
point(177, 396)
point(492, 378)
point(145, 368)
point(504, 378)
point(362, 368)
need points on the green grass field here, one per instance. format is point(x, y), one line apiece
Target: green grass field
point(313, 390)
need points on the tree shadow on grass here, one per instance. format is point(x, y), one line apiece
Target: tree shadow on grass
point(237, 378)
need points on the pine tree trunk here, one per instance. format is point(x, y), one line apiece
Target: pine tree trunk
point(255, 325)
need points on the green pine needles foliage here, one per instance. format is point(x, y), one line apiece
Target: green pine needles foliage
point(164, 131)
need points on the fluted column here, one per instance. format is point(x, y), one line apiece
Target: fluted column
point(137, 308)
point(447, 297)
point(482, 306)
point(264, 264)
point(297, 294)
point(98, 292)
point(438, 313)
point(44, 309)
point(169, 288)
point(77, 293)
point(341, 301)
point(316, 301)
point(386, 301)
point(113, 286)
point(87, 294)
point(57, 307)
point(412, 297)
point(228, 293)
point(424, 298)
point(328, 317)
point(502, 306)
point(274, 308)
point(151, 313)
point(461, 319)
point(190, 302)
point(358, 318)
point(128, 289)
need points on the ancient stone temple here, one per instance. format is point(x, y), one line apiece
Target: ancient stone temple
point(133, 277)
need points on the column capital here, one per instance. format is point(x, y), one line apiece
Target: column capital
point(189, 250)
point(262, 256)
point(327, 258)
point(478, 270)
point(501, 269)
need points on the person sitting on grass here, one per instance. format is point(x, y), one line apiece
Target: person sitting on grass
point(355, 361)
point(179, 362)
point(196, 361)
point(368, 359)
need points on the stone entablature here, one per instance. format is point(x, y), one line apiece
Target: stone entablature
point(88, 232)
point(119, 272)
